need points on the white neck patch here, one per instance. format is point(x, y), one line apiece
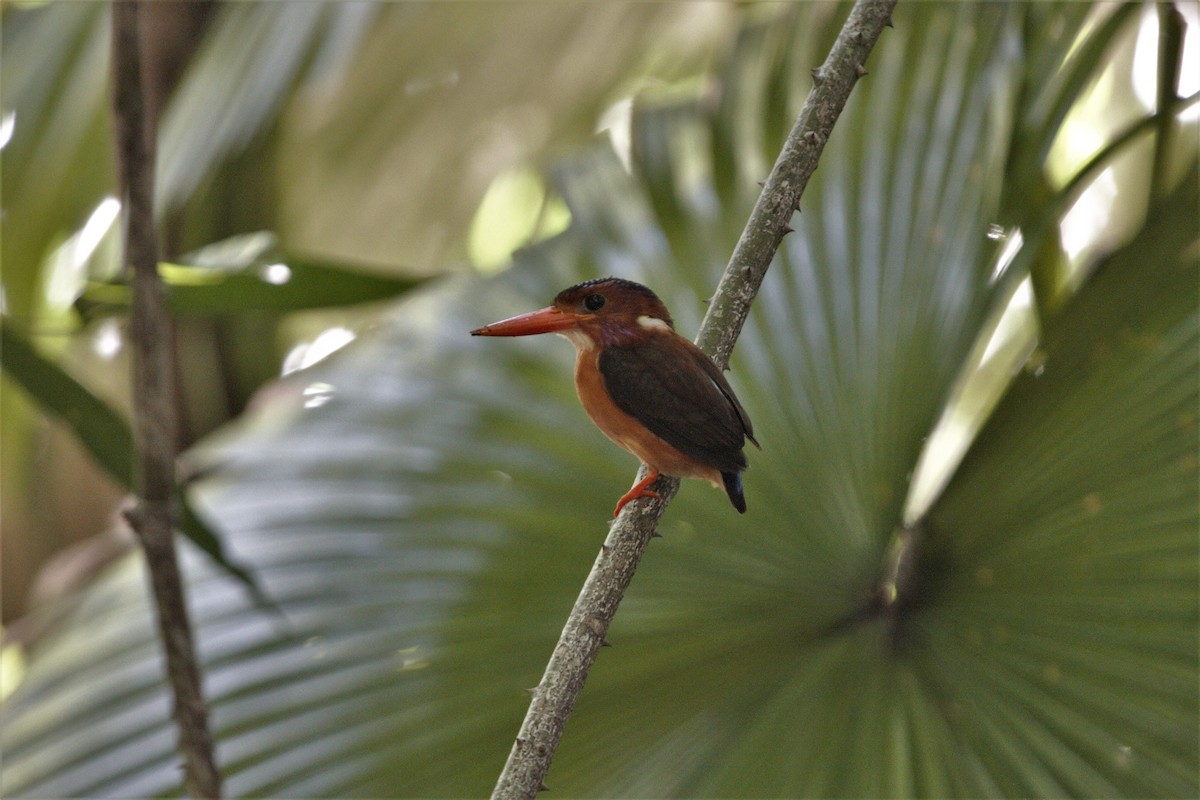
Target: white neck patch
point(581, 340)
point(653, 323)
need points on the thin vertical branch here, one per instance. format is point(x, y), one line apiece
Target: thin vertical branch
point(584, 632)
point(1171, 26)
point(154, 410)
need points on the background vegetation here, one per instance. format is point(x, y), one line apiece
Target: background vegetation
point(970, 563)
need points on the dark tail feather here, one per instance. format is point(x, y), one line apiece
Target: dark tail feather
point(733, 488)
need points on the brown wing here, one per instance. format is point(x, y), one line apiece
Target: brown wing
point(675, 390)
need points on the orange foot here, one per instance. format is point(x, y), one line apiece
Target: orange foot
point(639, 489)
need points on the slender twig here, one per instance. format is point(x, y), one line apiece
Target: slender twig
point(154, 410)
point(584, 632)
point(1052, 211)
point(1171, 26)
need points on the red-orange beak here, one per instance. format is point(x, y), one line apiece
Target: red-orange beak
point(545, 320)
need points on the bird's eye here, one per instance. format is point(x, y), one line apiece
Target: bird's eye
point(594, 302)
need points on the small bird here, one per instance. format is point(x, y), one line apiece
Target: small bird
point(646, 387)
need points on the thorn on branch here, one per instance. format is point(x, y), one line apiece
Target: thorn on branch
point(576, 652)
point(860, 70)
point(604, 642)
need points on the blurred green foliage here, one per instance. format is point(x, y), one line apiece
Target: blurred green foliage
point(361, 173)
point(418, 505)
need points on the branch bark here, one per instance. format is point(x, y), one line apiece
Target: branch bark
point(587, 624)
point(155, 421)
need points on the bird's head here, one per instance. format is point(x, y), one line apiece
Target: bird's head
point(595, 313)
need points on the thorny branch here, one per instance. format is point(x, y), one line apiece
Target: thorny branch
point(155, 421)
point(584, 632)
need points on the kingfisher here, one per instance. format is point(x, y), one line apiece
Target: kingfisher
point(647, 388)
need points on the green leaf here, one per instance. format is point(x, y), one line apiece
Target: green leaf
point(248, 273)
point(236, 86)
point(53, 77)
point(104, 433)
point(1054, 83)
point(425, 506)
point(300, 284)
point(1067, 539)
point(197, 530)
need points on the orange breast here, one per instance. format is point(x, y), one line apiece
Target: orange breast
point(625, 430)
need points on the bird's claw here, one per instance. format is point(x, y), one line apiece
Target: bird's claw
point(639, 489)
point(631, 496)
